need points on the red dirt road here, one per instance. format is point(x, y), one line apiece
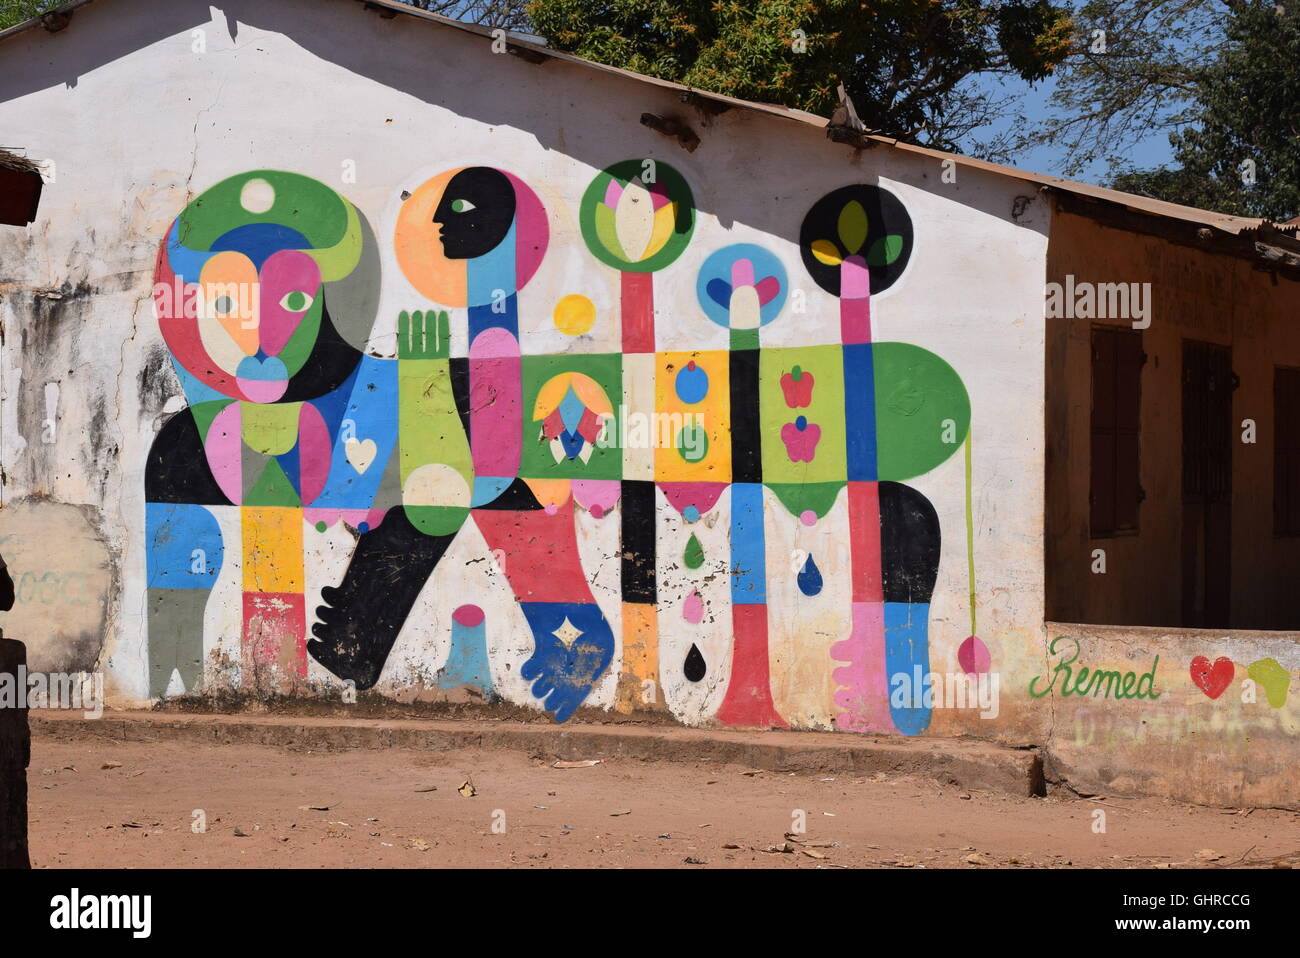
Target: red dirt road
point(374, 808)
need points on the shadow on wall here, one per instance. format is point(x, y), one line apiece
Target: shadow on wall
point(397, 52)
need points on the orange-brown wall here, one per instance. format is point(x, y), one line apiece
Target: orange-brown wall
point(1195, 295)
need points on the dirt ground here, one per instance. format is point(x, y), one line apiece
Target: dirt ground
point(107, 804)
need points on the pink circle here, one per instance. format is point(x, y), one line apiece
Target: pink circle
point(598, 511)
point(552, 509)
point(808, 517)
point(468, 615)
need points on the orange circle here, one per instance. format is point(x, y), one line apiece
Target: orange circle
point(419, 249)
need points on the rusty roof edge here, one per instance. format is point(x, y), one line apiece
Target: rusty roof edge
point(39, 19)
point(1236, 225)
point(1223, 221)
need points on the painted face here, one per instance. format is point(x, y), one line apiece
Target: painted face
point(476, 212)
point(260, 326)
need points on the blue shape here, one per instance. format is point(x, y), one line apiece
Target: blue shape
point(196, 391)
point(467, 662)
point(691, 514)
point(691, 383)
point(572, 444)
point(270, 369)
point(563, 673)
point(907, 662)
point(809, 578)
point(860, 411)
point(748, 552)
point(174, 531)
point(488, 488)
point(713, 284)
point(720, 292)
point(571, 410)
point(258, 241)
point(372, 409)
point(491, 282)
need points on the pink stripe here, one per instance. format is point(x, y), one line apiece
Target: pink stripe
point(314, 452)
point(224, 449)
point(864, 696)
point(496, 398)
point(855, 301)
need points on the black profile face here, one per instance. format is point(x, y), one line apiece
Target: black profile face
point(475, 212)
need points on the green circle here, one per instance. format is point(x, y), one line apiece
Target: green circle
point(701, 443)
point(922, 410)
point(597, 220)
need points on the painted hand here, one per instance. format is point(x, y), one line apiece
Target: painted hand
point(573, 646)
point(423, 334)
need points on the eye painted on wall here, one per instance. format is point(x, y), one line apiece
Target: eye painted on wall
point(296, 301)
point(223, 304)
point(462, 206)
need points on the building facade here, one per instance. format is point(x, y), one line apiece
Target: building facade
point(356, 352)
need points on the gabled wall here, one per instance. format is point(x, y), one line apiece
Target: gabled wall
point(145, 107)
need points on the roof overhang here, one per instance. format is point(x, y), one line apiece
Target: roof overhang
point(1270, 246)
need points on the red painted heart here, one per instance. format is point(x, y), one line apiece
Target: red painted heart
point(1212, 679)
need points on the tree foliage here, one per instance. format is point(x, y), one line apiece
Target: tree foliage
point(509, 14)
point(1131, 70)
point(905, 63)
point(1241, 152)
point(16, 11)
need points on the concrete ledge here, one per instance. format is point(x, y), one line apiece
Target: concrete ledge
point(969, 764)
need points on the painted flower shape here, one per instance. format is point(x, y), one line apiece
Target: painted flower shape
point(635, 221)
point(801, 438)
point(744, 296)
point(797, 387)
point(572, 409)
point(852, 228)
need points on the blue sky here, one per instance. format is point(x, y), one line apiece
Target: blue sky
point(1149, 152)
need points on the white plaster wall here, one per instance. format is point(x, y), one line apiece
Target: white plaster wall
point(136, 123)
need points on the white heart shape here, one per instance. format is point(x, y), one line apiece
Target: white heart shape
point(360, 454)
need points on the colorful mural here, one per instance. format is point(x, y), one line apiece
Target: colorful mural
point(713, 462)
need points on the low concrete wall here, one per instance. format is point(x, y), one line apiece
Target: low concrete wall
point(1215, 724)
point(15, 752)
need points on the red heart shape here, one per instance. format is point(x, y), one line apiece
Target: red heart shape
point(1212, 679)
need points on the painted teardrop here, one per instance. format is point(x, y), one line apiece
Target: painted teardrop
point(694, 554)
point(694, 667)
point(693, 608)
point(810, 577)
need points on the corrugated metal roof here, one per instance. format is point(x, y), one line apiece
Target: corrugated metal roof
point(1235, 225)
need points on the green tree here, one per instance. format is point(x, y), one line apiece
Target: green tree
point(905, 63)
point(16, 11)
point(1131, 71)
point(1241, 154)
point(510, 14)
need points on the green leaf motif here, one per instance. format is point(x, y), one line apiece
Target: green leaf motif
point(885, 250)
point(852, 226)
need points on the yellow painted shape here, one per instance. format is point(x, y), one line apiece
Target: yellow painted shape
point(671, 416)
point(574, 314)
point(272, 539)
point(640, 660)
